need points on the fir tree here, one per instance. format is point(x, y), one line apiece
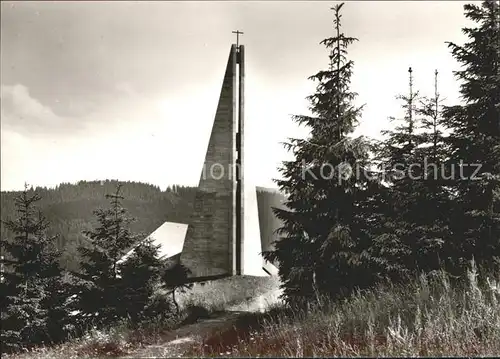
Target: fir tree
point(475, 139)
point(31, 270)
point(324, 242)
point(140, 279)
point(100, 297)
point(434, 126)
point(397, 246)
point(416, 236)
point(434, 201)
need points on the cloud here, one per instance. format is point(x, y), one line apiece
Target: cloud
point(107, 101)
point(28, 116)
point(23, 114)
point(126, 88)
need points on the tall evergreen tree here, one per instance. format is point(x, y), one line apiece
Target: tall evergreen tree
point(140, 277)
point(324, 244)
point(434, 125)
point(30, 308)
point(412, 239)
point(434, 201)
point(475, 138)
point(99, 296)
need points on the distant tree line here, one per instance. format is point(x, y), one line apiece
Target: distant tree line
point(361, 211)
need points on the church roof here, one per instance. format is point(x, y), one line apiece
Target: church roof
point(169, 236)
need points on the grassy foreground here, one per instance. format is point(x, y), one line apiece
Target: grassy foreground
point(122, 338)
point(424, 318)
point(428, 317)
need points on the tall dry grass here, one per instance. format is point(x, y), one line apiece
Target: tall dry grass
point(427, 317)
point(220, 294)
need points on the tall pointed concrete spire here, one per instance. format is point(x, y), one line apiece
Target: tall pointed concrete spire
point(211, 241)
point(231, 224)
point(240, 163)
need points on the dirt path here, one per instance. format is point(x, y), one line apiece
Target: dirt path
point(176, 342)
point(259, 303)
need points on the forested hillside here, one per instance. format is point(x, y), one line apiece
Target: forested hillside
point(69, 209)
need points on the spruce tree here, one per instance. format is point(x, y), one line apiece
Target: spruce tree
point(323, 246)
point(100, 297)
point(434, 201)
point(30, 308)
point(140, 280)
point(475, 139)
point(402, 243)
point(414, 215)
point(434, 126)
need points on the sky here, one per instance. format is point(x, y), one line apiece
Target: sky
point(128, 90)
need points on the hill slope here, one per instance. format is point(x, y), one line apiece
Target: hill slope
point(69, 208)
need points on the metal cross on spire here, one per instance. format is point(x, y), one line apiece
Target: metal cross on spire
point(238, 33)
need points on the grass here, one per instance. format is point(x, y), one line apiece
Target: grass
point(428, 317)
point(219, 294)
point(123, 338)
point(114, 341)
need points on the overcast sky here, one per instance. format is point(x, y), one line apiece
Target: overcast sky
point(128, 90)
